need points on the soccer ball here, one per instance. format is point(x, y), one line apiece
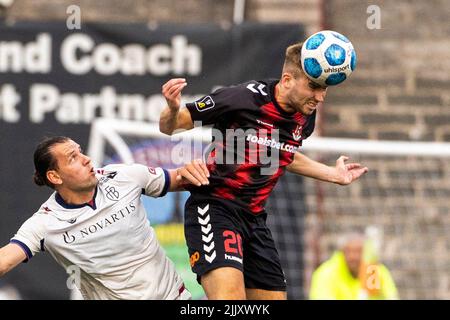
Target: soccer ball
point(328, 58)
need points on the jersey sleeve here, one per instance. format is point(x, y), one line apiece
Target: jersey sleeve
point(213, 107)
point(30, 236)
point(155, 182)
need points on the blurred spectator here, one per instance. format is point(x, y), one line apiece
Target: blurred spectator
point(348, 276)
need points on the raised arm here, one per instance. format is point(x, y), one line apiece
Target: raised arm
point(10, 256)
point(172, 117)
point(342, 173)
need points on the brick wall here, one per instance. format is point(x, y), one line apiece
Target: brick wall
point(308, 12)
point(399, 88)
point(186, 11)
point(174, 11)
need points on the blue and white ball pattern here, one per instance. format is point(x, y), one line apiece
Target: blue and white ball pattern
point(328, 58)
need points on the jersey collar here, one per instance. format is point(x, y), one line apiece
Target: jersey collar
point(63, 204)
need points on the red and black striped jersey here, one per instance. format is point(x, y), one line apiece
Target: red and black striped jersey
point(254, 140)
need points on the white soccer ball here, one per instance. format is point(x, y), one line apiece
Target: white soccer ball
point(328, 58)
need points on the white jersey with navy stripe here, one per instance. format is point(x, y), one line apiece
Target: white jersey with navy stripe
point(109, 241)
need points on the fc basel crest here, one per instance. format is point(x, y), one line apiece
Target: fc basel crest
point(205, 104)
point(297, 133)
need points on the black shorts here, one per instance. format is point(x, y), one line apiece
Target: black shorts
point(222, 234)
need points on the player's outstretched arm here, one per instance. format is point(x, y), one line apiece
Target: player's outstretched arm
point(172, 117)
point(195, 173)
point(343, 173)
point(10, 256)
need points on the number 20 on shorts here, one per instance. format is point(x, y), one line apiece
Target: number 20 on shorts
point(232, 242)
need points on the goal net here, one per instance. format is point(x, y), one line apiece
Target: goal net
point(405, 196)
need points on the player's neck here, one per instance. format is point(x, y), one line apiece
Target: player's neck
point(280, 97)
point(76, 197)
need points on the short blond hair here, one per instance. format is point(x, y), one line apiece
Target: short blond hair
point(292, 61)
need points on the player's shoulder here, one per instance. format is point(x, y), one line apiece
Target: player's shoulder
point(250, 92)
point(46, 210)
point(110, 168)
point(115, 167)
point(126, 172)
point(48, 206)
point(118, 168)
point(43, 213)
point(256, 89)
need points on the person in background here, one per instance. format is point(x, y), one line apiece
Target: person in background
point(347, 276)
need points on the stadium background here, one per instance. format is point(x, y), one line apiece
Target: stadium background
point(398, 93)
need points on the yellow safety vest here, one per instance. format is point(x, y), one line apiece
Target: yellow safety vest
point(333, 281)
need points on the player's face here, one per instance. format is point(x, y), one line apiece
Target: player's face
point(75, 169)
point(305, 95)
point(353, 253)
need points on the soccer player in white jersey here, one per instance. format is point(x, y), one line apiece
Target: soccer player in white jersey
point(95, 221)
